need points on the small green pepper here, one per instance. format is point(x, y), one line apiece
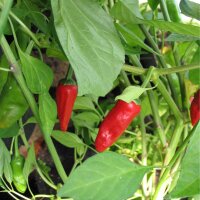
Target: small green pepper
point(19, 181)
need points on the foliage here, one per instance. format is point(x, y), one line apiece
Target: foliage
point(117, 50)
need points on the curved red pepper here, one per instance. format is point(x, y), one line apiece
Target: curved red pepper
point(115, 123)
point(195, 108)
point(65, 97)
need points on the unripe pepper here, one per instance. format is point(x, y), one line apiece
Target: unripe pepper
point(115, 123)
point(19, 181)
point(173, 10)
point(195, 108)
point(65, 97)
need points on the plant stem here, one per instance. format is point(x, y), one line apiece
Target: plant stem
point(4, 15)
point(45, 179)
point(70, 73)
point(171, 163)
point(140, 71)
point(144, 153)
point(33, 105)
point(22, 134)
point(161, 60)
point(168, 98)
point(16, 146)
point(125, 77)
point(153, 104)
point(175, 53)
point(164, 10)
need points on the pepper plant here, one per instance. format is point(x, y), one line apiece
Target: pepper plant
point(133, 71)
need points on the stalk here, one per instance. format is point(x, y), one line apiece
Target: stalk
point(154, 107)
point(159, 72)
point(175, 54)
point(165, 175)
point(161, 60)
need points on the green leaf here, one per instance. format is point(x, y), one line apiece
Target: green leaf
point(174, 37)
point(9, 132)
point(31, 120)
point(7, 170)
point(47, 112)
point(36, 17)
point(38, 75)
point(131, 93)
point(191, 9)
point(83, 103)
point(86, 119)
point(194, 74)
point(56, 53)
point(174, 27)
point(3, 74)
point(153, 4)
point(67, 139)
point(188, 183)
point(104, 176)
point(91, 44)
point(30, 163)
point(127, 37)
point(127, 11)
point(122, 29)
point(5, 159)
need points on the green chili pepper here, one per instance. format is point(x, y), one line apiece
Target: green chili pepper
point(19, 181)
point(173, 10)
point(13, 104)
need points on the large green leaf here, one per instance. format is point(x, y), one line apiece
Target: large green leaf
point(104, 176)
point(47, 112)
point(188, 183)
point(38, 75)
point(89, 40)
point(190, 9)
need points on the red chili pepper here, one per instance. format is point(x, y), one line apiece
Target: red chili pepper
point(65, 97)
point(115, 123)
point(195, 108)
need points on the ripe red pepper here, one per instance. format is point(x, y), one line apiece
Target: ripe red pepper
point(65, 97)
point(195, 108)
point(115, 123)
